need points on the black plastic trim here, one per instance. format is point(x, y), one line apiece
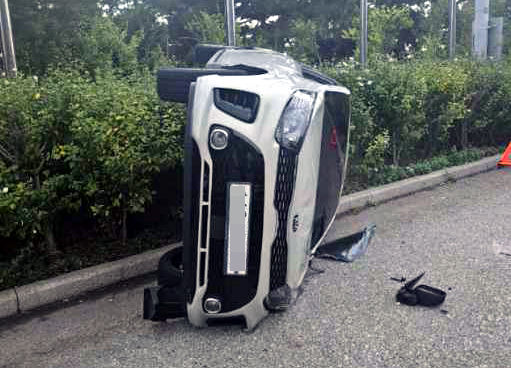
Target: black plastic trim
point(240, 162)
point(205, 183)
point(284, 188)
point(202, 269)
point(245, 109)
point(191, 202)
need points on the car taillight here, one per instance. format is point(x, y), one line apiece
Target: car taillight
point(240, 104)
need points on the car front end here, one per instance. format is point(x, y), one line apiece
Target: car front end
point(255, 152)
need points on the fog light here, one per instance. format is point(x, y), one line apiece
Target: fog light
point(219, 139)
point(212, 305)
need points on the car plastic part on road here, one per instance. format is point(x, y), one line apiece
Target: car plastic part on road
point(421, 295)
point(348, 248)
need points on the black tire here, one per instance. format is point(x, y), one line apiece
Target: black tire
point(204, 52)
point(170, 268)
point(316, 76)
point(151, 311)
point(174, 84)
point(162, 303)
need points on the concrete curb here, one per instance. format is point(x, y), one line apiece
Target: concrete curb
point(8, 303)
point(27, 297)
point(37, 294)
point(384, 193)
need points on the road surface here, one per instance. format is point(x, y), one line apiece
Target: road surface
point(346, 317)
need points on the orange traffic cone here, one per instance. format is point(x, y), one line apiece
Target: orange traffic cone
point(505, 161)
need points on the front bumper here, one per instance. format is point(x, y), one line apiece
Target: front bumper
point(205, 238)
point(251, 157)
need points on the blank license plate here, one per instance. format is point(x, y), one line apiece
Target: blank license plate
point(238, 212)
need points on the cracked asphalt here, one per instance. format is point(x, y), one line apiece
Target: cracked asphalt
point(347, 316)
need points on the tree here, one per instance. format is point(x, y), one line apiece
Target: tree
point(45, 30)
point(329, 17)
point(386, 25)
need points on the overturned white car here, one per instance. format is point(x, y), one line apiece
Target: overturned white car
point(265, 160)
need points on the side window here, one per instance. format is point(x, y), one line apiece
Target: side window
point(336, 121)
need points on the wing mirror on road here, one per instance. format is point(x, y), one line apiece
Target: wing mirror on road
point(421, 295)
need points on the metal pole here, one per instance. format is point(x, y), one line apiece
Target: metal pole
point(495, 38)
point(480, 29)
point(363, 32)
point(9, 57)
point(230, 21)
point(452, 29)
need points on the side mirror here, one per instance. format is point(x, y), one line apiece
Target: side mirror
point(421, 295)
point(429, 296)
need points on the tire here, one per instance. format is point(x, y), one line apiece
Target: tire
point(151, 306)
point(316, 76)
point(170, 268)
point(162, 303)
point(174, 84)
point(204, 52)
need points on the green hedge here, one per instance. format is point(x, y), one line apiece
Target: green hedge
point(404, 112)
point(72, 143)
point(77, 145)
point(362, 177)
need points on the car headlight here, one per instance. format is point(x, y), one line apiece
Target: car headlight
point(295, 120)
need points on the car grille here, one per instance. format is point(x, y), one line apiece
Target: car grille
point(283, 195)
point(240, 162)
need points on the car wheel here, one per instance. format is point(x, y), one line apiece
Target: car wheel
point(170, 268)
point(205, 52)
point(162, 303)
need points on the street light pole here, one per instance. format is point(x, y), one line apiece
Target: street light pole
point(480, 29)
point(452, 29)
point(8, 56)
point(230, 21)
point(363, 33)
point(496, 38)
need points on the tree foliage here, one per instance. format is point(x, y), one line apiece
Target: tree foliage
point(45, 31)
point(88, 136)
point(386, 25)
point(71, 142)
point(207, 28)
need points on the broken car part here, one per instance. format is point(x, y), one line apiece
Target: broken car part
point(348, 248)
point(402, 279)
point(421, 295)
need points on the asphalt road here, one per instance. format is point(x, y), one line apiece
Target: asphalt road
point(346, 316)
